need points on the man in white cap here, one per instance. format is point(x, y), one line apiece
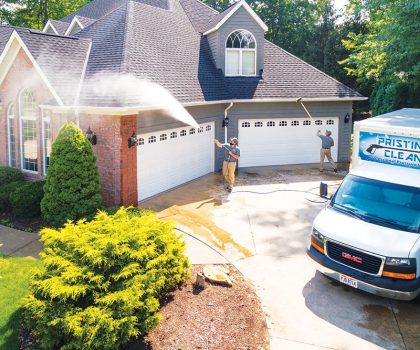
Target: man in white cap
point(232, 155)
point(327, 143)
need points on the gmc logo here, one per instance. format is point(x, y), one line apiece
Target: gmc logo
point(351, 257)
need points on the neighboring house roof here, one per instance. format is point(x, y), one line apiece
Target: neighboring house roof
point(162, 41)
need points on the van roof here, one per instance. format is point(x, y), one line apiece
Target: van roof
point(388, 173)
point(406, 118)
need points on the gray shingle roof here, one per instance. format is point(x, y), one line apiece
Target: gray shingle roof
point(219, 17)
point(5, 33)
point(60, 26)
point(52, 53)
point(148, 39)
point(85, 21)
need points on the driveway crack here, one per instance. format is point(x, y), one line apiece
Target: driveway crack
point(398, 325)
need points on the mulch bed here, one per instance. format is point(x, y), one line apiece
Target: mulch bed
point(216, 318)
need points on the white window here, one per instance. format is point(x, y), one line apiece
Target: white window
point(330, 122)
point(295, 123)
point(318, 122)
point(183, 133)
point(163, 137)
point(241, 54)
point(46, 142)
point(28, 144)
point(246, 124)
point(283, 123)
point(11, 136)
point(306, 122)
point(200, 129)
point(192, 131)
point(152, 139)
point(208, 127)
point(174, 135)
point(258, 124)
point(271, 123)
point(140, 141)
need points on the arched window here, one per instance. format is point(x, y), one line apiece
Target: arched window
point(241, 53)
point(28, 134)
point(11, 135)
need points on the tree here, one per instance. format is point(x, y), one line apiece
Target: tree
point(36, 13)
point(388, 54)
point(72, 189)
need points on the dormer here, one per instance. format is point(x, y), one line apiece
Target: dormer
point(77, 24)
point(236, 38)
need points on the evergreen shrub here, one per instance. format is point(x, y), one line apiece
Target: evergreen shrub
point(103, 280)
point(72, 189)
point(9, 174)
point(25, 200)
point(5, 192)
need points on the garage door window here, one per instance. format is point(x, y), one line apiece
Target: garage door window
point(330, 122)
point(183, 133)
point(318, 122)
point(258, 124)
point(295, 123)
point(246, 124)
point(152, 139)
point(271, 123)
point(200, 129)
point(208, 127)
point(174, 135)
point(192, 131)
point(306, 122)
point(283, 123)
point(163, 137)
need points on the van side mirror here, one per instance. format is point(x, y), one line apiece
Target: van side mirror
point(323, 190)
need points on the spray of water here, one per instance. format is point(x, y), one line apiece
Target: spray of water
point(127, 90)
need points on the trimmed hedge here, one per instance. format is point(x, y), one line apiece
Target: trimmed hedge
point(103, 281)
point(5, 191)
point(9, 174)
point(26, 199)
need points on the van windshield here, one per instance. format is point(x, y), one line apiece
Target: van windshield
point(381, 203)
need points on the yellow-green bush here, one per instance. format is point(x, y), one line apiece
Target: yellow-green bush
point(103, 280)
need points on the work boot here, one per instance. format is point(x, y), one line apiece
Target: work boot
point(335, 170)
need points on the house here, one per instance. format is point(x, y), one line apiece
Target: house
point(104, 65)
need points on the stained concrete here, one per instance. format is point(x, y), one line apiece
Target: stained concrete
point(270, 214)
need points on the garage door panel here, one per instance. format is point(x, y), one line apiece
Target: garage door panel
point(173, 161)
point(289, 141)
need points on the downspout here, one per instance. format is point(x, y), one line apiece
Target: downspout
point(226, 120)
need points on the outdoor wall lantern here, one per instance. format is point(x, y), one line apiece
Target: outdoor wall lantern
point(132, 140)
point(90, 135)
point(347, 118)
point(225, 122)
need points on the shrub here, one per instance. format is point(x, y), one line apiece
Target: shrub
point(72, 189)
point(5, 191)
point(8, 174)
point(103, 281)
point(26, 199)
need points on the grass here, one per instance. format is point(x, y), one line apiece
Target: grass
point(15, 278)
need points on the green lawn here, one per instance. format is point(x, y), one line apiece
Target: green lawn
point(15, 277)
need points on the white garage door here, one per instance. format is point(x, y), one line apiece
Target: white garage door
point(169, 158)
point(283, 141)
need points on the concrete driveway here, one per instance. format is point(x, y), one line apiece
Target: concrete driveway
point(263, 227)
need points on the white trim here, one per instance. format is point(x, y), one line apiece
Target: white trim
point(82, 77)
point(251, 12)
point(49, 24)
point(44, 154)
point(10, 116)
point(15, 36)
point(136, 109)
point(72, 24)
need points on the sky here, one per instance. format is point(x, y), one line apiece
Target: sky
point(339, 4)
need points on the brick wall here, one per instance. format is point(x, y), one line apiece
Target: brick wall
point(117, 164)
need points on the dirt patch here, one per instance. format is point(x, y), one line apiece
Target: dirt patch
point(228, 318)
point(28, 225)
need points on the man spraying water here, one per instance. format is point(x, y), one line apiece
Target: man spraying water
point(232, 155)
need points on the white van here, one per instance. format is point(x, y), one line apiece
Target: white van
point(367, 236)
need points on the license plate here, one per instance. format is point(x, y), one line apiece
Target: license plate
point(349, 281)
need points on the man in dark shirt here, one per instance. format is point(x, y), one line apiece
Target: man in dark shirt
point(327, 143)
point(232, 155)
